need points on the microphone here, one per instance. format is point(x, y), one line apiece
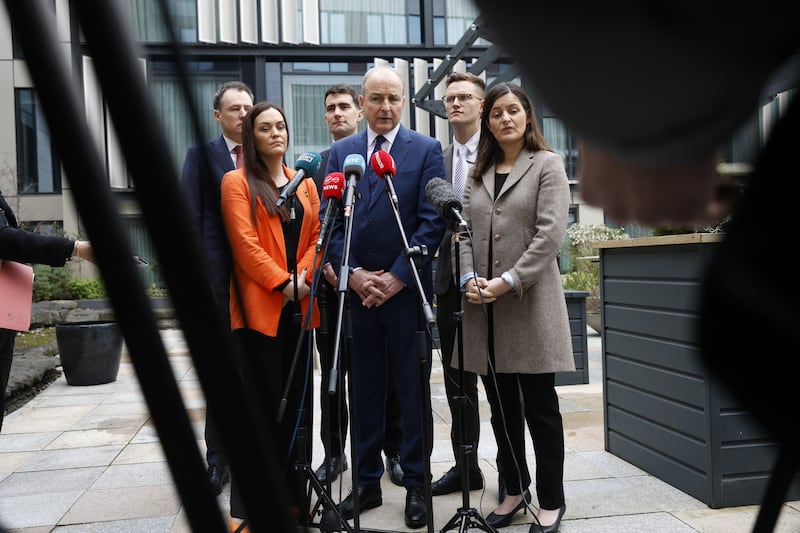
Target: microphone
point(440, 194)
point(383, 165)
point(306, 165)
point(332, 189)
point(354, 166)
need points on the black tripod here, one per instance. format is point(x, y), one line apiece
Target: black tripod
point(466, 516)
point(302, 444)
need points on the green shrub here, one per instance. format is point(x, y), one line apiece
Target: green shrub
point(51, 283)
point(86, 289)
point(585, 273)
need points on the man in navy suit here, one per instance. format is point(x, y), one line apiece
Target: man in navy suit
point(384, 301)
point(203, 168)
point(342, 115)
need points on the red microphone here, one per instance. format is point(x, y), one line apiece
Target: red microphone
point(332, 188)
point(383, 164)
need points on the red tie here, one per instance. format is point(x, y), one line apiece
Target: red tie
point(239, 157)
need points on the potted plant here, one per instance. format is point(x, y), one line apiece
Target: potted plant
point(583, 261)
point(90, 351)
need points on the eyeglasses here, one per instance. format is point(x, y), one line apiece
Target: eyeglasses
point(465, 97)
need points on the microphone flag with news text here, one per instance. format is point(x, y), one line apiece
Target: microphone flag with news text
point(332, 189)
point(306, 166)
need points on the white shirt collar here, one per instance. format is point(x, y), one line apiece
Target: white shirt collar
point(471, 145)
point(230, 144)
point(389, 136)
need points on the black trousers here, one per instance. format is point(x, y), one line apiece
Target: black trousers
point(515, 399)
point(214, 452)
point(268, 362)
point(7, 338)
point(446, 306)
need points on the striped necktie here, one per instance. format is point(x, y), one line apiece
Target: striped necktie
point(460, 172)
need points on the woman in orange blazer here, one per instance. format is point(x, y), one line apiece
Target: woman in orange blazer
point(269, 246)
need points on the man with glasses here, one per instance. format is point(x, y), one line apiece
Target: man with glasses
point(463, 102)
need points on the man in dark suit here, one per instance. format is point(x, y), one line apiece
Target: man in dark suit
point(463, 101)
point(22, 246)
point(203, 169)
point(342, 115)
point(384, 301)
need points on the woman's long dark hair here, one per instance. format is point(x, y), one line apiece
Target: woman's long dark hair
point(489, 151)
point(259, 179)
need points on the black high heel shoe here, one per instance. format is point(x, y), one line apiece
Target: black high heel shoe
point(552, 528)
point(502, 520)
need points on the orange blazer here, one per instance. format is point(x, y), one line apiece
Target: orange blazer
point(259, 253)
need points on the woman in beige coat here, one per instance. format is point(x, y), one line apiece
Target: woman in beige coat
point(516, 331)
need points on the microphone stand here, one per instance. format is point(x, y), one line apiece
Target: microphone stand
point(331, 518)
point(412, 254)
point(343, 324)
point(302, 443)
point(465, 516)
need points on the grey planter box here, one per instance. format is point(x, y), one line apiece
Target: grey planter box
point(664, 412)
point(576, 310)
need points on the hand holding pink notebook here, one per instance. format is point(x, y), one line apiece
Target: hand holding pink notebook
point(16, 295)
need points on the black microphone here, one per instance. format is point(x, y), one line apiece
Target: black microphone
point(306, 166)
point(440, 194)
point(332, 189)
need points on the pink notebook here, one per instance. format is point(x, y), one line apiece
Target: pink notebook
point(16, 295)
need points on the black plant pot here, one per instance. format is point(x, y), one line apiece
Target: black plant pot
point(90, 351)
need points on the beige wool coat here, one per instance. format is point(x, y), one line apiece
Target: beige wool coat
point(526, 225)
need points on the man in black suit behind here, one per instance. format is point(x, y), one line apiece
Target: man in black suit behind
point(200, 183)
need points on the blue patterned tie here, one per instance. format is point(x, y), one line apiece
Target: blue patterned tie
point(373, 178)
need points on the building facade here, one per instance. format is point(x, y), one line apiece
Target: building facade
point(288, 51)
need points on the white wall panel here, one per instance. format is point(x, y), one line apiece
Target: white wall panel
point(289, 21)
point(248, 21)
point(441, 126)
point(401, 66)
point(269, 21)
point(227, 21)
point(206, 21)
point(311, 21)
point(421, 115)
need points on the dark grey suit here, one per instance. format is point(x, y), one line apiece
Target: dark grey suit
point(200, 185)
point(447, 303)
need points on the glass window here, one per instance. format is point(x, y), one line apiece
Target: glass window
point(563, 142)
point(451, 18)
point(173, 110)
point(147, 22)
point(361, 22)
point(304, 97)
point(142, 246)
point(38, 167)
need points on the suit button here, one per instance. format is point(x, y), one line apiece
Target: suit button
point(497, 263)
point(497, 237)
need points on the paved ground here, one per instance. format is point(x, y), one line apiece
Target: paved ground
point(88, 459)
